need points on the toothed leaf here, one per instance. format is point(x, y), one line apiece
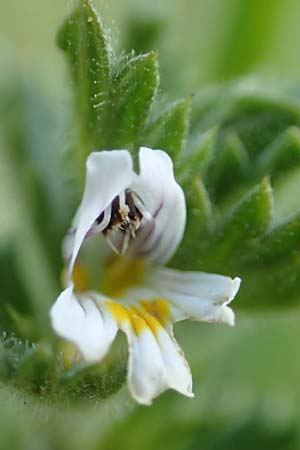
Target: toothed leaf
point(257, 114)
point(132, 95)
point(199, 215)
point(282, 154)
point(169, 130)
point(241, 226)
point(83, 39)
point(196, 159)
point(282, 240)
point(229, 167)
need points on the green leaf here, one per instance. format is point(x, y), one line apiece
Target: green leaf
point(259, 120)
point(132, 96)
point(169, 130)
point(258, 136)
point(12, 292)
point(90, 382)
point(282, 154)
point(112, 102)
point(272, 284)
point(22, 324)
point(199, 215)
point(229, 166)
point(257, 113)
point(84, 41)
point(30, 261)
point(12, 353)
point(281, 240)
point(197, 157)
point(240, 229)
point(38, 371)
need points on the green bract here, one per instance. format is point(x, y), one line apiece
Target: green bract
point(228, 173)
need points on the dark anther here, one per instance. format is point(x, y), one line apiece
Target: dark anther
point(123, 218)
point(134, 214)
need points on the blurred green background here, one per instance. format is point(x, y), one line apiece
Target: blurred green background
point(199, 42)
point(247, 378)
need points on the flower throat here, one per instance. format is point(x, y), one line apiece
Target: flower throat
point(125, 217)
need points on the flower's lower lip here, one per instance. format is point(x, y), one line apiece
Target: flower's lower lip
point(145, 312)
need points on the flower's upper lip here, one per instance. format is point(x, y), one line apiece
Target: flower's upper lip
point(109, 173)
point(164, 199)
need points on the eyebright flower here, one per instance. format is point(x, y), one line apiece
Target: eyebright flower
point(138, 222)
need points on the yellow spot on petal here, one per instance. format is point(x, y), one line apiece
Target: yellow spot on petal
point(149, 315)
point(158, 308)
point(138, 323)
point(118, 311)
point(125, 314)
point(120, 274)
point(151, 320)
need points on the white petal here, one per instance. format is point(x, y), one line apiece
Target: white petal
point(178, 373)
point(81, 322)
point(201, 296)
point(156, 362)
point(163, 198)
point(146, 371)
point(107, 174)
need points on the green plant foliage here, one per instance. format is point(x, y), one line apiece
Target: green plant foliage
point(84, 42)
point(282, 154)
point(132, 94)
point(168, 131)
point(39, 369)
point(92, 383)
point(258, 136)
point(241, 226)
point(115, 96)
point(29, 258)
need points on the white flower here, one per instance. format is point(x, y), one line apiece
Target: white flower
point(142, 216)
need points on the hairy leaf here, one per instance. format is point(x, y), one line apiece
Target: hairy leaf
point(282, 154)
point(84, 41)
point(169, 130)
point(197, 157)
point(132, 96)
